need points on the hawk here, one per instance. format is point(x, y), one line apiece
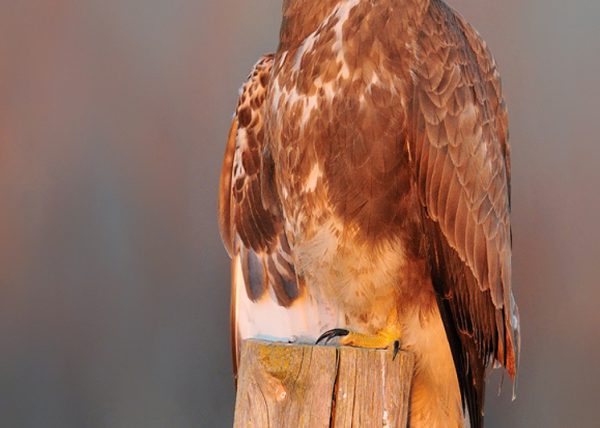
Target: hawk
point(365, 195)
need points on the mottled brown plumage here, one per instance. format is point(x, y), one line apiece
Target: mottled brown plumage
point(366, 179)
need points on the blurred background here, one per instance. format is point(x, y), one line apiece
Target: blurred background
point(113, 281)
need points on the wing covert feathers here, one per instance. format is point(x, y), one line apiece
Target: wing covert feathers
point(250, 219)
point(462, 172)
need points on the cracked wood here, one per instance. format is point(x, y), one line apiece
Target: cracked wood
point(298, 385)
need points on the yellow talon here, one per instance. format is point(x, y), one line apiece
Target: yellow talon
point(383, 339)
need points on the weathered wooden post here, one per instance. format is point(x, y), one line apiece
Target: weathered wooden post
point(295, 385)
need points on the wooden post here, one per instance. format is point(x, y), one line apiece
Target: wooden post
point(292, 385)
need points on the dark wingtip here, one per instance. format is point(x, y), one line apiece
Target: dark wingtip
point(254, 274)
point(283, 280)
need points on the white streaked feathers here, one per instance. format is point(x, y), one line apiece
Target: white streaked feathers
point(341, 13)
point(311, 182)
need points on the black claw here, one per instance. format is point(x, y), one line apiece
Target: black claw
point(396, 349)
point(330, 334)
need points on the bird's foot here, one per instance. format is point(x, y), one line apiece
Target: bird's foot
point(384, 339)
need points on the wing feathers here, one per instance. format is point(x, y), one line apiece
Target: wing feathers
point(254, 274)
point(249, 209)
point(462, 171)
point(225, 214)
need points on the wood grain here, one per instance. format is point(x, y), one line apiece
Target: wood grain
point(297, 385)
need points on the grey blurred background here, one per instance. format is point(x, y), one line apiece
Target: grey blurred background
point(113, 281)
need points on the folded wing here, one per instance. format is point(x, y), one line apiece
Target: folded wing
point(250, 219)
point(458, 144)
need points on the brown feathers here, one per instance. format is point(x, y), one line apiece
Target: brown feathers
point(249, 207)
point(370, 153)
point(461, 157)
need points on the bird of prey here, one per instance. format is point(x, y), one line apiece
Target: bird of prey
point(365, 195)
